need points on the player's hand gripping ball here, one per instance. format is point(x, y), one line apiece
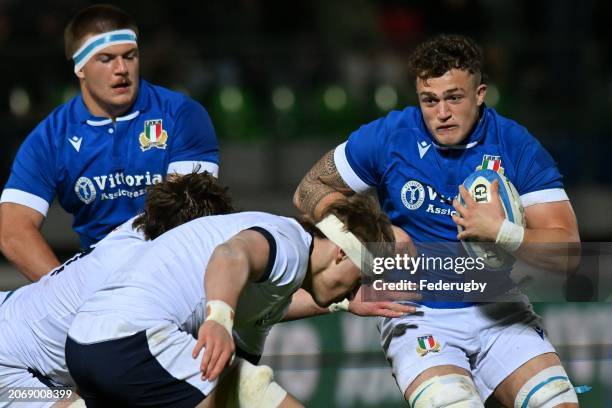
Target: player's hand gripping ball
point(478, 184)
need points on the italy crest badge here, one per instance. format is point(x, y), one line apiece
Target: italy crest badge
point(427, 344)
point(490, 162)
point(154, 135)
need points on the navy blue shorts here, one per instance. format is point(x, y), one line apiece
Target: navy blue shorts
point(124, 372)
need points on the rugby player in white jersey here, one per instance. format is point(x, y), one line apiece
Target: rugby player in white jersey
point(133, 342)
point(34, 319)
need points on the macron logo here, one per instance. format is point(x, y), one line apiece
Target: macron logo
point(76, 142)
point(423, 148)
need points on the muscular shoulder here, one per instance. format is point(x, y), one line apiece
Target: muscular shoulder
point(290, 250)
point(527, 162)
point(286, 227)
point(514, 140)
point(509, 132)
point(172, 102)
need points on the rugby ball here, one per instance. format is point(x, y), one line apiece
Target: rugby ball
point(478, 184)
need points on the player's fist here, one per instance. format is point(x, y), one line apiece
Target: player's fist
point(218, 347)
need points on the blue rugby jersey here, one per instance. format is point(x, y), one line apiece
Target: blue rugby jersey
point(416, 179)
point(99, 170)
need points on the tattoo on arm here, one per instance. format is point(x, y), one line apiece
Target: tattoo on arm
point(322, 180)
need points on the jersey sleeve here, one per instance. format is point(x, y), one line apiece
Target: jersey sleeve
point(288, 257)
point(195, 143)
point(32, 180)
point(538, 179)
point(359, 160)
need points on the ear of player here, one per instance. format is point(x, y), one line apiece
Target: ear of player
point(510, 236)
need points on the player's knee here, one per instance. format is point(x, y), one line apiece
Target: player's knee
point(256, 387)
point(549, 388)
point(446, 391)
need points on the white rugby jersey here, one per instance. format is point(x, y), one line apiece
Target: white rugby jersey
point(166, 282)
point(34, 320)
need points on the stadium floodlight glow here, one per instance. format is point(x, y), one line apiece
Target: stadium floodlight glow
point(283, 98)
point(334, 98)
point(231, 99)
point(493, 95)
point(19, 101)
point(385, 97)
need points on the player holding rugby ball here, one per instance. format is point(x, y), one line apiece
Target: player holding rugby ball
point(457, 354)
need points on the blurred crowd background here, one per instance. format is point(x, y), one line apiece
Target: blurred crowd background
point(286, 81)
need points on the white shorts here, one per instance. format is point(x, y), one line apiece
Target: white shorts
point(490, 340)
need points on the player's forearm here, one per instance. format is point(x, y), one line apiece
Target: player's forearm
point(315, 200)
point(226, 274)
point(555, 249)
point(27, 249)
point(320, 187)
point(302, 306)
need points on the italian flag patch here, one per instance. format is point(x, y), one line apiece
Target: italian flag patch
point(427, 344)
point(491, 163)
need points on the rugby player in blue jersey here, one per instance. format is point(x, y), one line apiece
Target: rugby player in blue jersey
point(457, 354)
point(98, 152)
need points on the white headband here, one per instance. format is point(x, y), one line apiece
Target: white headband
point(336, 231)
point(98, 42)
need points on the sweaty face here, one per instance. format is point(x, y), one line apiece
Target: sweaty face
point(109, 80)
point(450, 104)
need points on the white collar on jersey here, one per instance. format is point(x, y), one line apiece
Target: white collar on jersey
point(456, 147)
